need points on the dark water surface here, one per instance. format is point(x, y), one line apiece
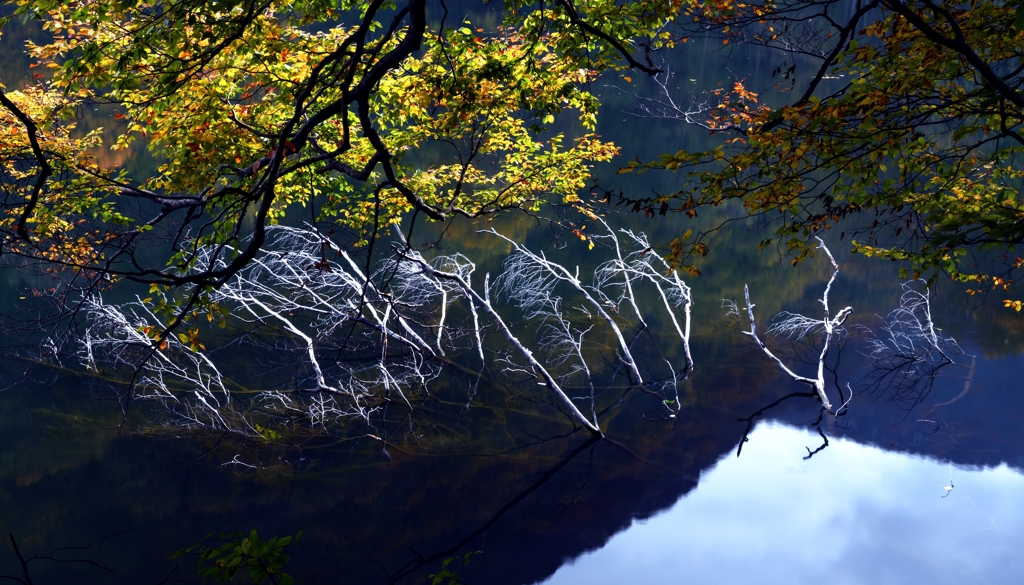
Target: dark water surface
point(660, 500)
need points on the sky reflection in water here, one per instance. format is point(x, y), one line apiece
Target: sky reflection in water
point(852, 514)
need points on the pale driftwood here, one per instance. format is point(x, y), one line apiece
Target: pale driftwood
point(673, 291)
point(618, 267)
point(280, 290)
point(315, 303)
point(908, 351)
point(509, 336)
point(561, 273)
point(798, 326)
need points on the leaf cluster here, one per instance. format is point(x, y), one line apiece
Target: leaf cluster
point(357, 113)
point(223, 556)
point(908, 138)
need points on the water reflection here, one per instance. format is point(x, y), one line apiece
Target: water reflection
point(508, 478)
point(853, 514)
point(509, 482)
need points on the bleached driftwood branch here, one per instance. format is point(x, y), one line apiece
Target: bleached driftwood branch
point(313, 339)
point(528, 277)
point(909, 332)
point(431, 272)
point(298, 310)
point(798, 326)
point(674, 293)
point(616, 272)
point(905, 354)
point(908, 350)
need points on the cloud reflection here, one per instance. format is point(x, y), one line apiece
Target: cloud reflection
point(853, 514)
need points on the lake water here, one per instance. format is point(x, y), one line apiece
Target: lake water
point(919, 486)
point(659, 500)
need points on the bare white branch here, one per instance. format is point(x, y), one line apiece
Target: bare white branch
point(798, 326)
point(326, 342)
point(507, 333)
point(908, 349)
point(529, 278)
